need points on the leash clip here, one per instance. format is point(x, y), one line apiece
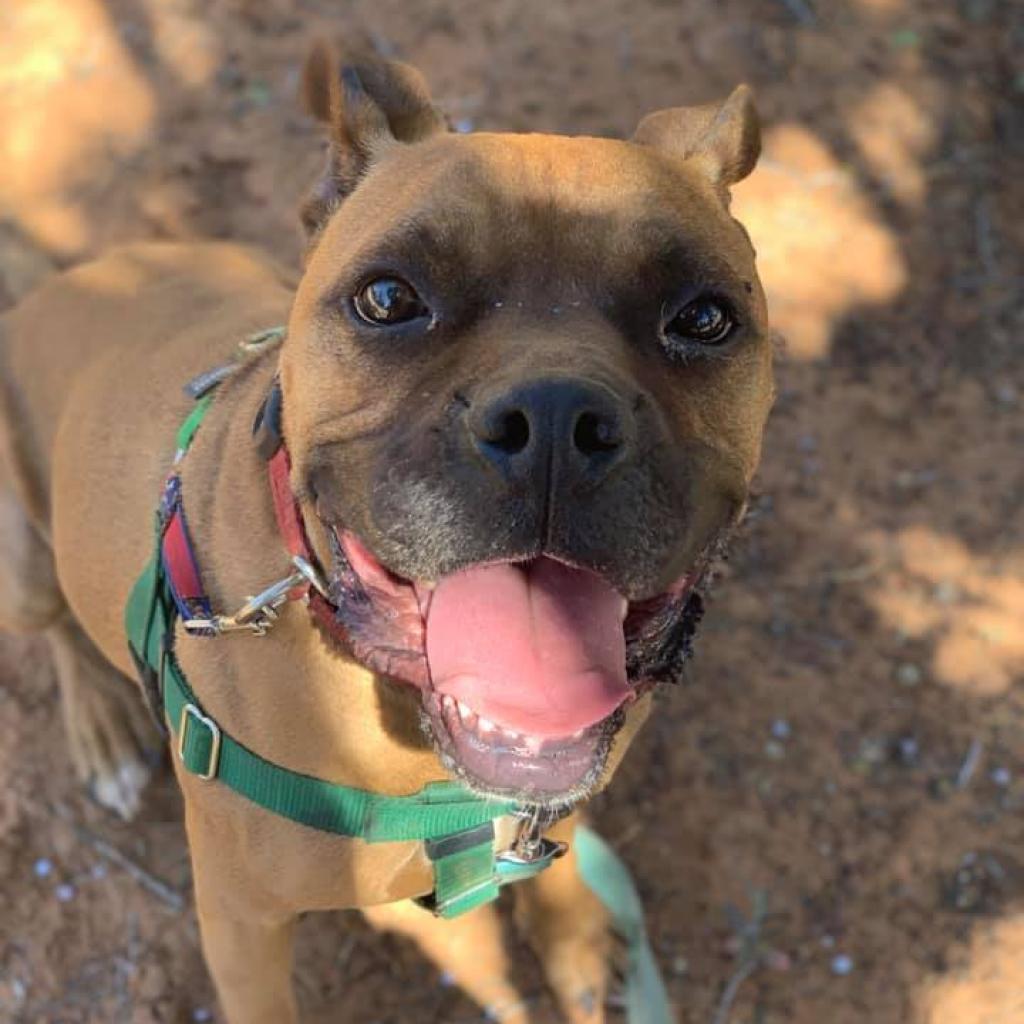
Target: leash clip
point(259, 613)
point(531, 845)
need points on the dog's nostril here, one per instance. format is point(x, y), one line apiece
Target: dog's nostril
point(512, 434)
point(594, 435)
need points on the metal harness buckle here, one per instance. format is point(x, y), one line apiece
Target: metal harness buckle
point(190, 713)
point(531, 846)
point(259, 613)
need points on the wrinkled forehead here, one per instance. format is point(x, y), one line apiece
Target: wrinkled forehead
point(515, 206)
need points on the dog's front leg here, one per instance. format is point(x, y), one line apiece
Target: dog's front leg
point(569, 930)
point(469, 949)
point(246, 927)
point(250, 959)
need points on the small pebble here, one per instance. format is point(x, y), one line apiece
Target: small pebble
point(781, 729)
point(463, 125)
point(907, 749)
point(1006, 394)
point(842, 965)
point(873, 750)
point(447, 979)
point(1002, 777)
point(908, 674)
point(98, 872)
point(42, 867)
point(259, 94)
point(201, 1014)
point(909, 478)
point(905, 39)
point(680, 966)
point(775, 750)
point(65, 893)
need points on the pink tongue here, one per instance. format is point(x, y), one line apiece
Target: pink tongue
point(537, 649)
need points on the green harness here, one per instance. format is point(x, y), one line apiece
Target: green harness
point(455, 826)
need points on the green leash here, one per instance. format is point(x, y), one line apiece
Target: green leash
point(609, 879)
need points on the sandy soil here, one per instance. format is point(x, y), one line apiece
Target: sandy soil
point(833, 803)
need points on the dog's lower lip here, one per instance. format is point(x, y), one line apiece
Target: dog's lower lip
point(496, 764)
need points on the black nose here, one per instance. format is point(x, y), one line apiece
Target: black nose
point(552, 426)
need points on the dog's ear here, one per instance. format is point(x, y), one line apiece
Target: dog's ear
point(368, 104)
point(723, 139)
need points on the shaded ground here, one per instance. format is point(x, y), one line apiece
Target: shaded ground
point(845, 769)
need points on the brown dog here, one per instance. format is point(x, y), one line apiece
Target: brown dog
point(523, 390)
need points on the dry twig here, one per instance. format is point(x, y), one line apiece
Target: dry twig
point(163, 891)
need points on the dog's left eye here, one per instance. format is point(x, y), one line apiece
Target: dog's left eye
point(706, 321)
point(388, 300)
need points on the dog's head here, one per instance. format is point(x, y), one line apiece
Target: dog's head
point(525, 383)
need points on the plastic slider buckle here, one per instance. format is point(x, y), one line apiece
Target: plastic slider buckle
point(192, 716)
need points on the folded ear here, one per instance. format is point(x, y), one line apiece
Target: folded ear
point(723, 139)
point(368, 104)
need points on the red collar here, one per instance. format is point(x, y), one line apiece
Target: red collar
point(293, 531)
point(306, 582)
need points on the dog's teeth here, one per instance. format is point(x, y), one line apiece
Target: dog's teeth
point(485, 724)
point(533, 744)
point(447, 702)
point(578, 734)
point(464, 712)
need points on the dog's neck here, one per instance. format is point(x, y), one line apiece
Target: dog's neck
point(288, 696)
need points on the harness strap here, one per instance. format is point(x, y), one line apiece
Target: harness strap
point(456, 826)
point(439, 809)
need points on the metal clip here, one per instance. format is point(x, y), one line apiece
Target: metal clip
point(259, 613)
point(531, 845)
point(259, 340)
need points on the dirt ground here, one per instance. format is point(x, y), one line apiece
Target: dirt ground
point(830, 810)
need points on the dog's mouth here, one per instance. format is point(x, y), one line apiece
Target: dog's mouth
point(526, 668)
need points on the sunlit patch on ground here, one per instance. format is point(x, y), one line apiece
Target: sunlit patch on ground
point(822, 250)
point(989, 988)
point(972, 607)
point(894, 133)
point(69, 92)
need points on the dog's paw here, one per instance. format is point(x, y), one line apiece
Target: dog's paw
point(113, 745)
point(579, 956)
point(580, 987)
point(120, 790)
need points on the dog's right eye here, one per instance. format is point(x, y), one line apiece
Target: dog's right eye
point(386, 301)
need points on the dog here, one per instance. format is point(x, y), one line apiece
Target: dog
point(522, 388)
